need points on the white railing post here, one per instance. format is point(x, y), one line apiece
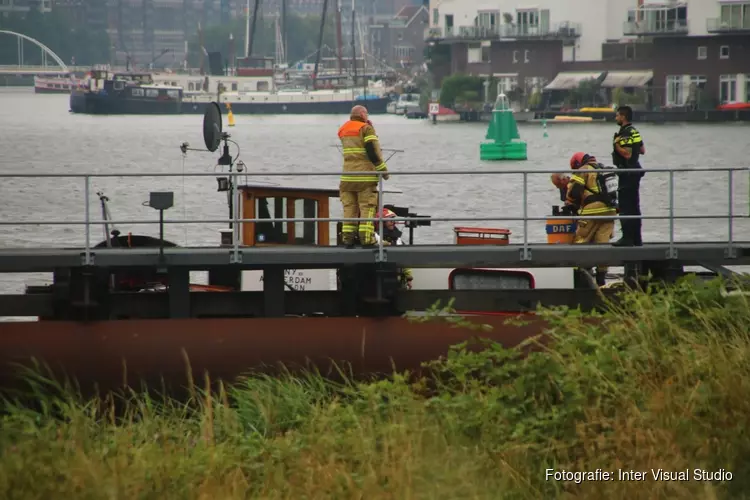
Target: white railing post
point(525, 254)
point(235, 218)
point(87, 219)
point(730, 216)
point(381, 257)
point(671, 252)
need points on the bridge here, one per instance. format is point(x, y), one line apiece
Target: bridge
point(20, 69)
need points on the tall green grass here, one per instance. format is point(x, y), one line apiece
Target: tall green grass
point(661, 381)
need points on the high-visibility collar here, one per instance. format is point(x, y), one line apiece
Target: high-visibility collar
point(351, 128)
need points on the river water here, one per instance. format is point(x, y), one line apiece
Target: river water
point(39, 135)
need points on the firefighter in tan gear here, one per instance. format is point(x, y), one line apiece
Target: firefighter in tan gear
point(359, 193)
point(392, 236)
point(584, 191)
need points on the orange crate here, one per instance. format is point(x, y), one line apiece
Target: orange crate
point(481, 236)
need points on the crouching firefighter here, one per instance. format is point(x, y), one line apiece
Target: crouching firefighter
point(593, 188)
point(392, 236)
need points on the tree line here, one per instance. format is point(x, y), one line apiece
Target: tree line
point(88, 46)
point(67, 39)
point(302, 38)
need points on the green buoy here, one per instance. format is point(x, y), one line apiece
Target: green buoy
point(506, 143)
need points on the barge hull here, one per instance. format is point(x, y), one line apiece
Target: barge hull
point(111, 354)
point(98, 104)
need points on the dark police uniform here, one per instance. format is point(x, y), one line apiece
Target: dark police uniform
point(628, 194)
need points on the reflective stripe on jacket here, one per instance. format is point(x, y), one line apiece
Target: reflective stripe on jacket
point(354, 134)
point(586, 177)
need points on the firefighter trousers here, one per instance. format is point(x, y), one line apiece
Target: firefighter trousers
point(362, 204)
point(594, 231)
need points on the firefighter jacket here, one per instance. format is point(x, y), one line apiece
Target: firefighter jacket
point(362, 153)
point(393, 237)
point(583, 189)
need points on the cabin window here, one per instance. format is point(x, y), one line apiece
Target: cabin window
point(262, 86)
point(152, 93)
point(305, 233)
point(234, 86)
point(137, 92)
point(490, 279)
point(271, 232)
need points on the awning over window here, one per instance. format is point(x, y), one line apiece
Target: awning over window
point(568, 80)
point(622, 79)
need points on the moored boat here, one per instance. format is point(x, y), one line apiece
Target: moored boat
point(107, 93)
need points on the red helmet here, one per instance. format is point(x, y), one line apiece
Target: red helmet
point(386, 213)
point(579, 159)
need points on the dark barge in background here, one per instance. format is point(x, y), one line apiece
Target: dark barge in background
point(125, 93)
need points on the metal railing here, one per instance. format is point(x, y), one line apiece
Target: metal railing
point(722, 25)
point(652, 26)
point(235, 220)
point(559, 30)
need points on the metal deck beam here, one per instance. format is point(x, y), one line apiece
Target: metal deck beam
point(253, 304)
point(424, 256)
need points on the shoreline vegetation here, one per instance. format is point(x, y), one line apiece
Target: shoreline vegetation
point(659, 382)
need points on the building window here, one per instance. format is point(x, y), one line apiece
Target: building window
point(747, 86)
point(435, 17)
point(485, 54)
point(727, 89)
point(515, 56)
point(702, 52)
point(489, 20)
point(474, 54)
point(735, 16)
point(527, 21)
point(674, 90)
point(724, 52)
point(525, 56)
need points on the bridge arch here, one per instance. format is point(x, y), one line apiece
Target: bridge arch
point(39, 44)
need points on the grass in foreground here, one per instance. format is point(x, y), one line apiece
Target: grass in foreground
point(661, 382)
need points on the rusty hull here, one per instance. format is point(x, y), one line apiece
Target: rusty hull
point(109, 354)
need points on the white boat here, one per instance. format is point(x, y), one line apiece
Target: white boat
point(56, 84)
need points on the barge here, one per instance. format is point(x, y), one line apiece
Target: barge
point(123, 309)
point(108, 93)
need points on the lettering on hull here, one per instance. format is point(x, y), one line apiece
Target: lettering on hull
point(298, 279)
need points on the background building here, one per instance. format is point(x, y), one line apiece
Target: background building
point(682, 51)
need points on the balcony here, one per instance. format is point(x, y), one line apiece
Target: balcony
point(655, 27)
point(728, 25)
point(560, 31)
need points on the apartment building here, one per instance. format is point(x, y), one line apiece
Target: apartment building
point(682, 51)
point(701, 50)
point(399, 40)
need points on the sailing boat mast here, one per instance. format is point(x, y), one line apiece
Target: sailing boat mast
point(339, 42)
point(354, 49)
point(284, 30)
point(250, 29)
point(320, 42)
point(247, 27)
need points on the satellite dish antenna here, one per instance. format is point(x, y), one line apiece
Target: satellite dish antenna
point(212, 134)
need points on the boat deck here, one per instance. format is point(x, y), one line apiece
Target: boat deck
point(414, 256)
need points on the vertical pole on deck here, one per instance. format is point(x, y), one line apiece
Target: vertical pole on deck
point(525, 251)
point(381, 256)
point(671, 252)
point(87, 248)
point(730, 213)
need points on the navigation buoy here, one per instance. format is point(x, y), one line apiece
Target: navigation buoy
point(230, 115)
point(544, 127)
point(505, 142)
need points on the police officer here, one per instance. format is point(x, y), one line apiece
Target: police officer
point(358, 193)
point(627, 149)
